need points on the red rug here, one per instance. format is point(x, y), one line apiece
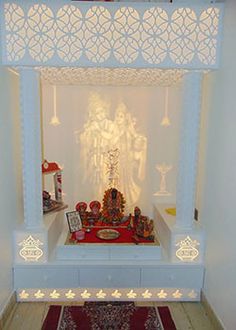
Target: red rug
point(108, 316)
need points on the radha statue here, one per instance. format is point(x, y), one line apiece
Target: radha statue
point(132, 148)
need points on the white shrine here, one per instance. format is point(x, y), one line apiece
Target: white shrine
point(93, 43)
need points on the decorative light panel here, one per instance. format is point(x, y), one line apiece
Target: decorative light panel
point(110, 76)
point(187, 249)
point(110, 34)
point(30, 248)
point(105, 294)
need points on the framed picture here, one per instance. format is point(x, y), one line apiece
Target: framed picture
point(74, 221)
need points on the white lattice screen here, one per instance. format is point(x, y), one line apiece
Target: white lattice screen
point(60, 33)
point(110, 76)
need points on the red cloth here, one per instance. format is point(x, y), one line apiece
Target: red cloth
point(126, 236)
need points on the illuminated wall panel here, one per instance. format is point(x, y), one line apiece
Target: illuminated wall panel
point(94, 294)
point(30, 248)
point(110, 34)
point(188, 249)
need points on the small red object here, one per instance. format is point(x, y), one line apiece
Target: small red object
point(50, 167)
point(81, 207)
point(95, 206)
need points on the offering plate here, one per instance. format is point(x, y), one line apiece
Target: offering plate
point(108, 234)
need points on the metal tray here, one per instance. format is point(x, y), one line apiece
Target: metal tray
point(108, 234)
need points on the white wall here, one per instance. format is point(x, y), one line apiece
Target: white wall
point(145, 104)
point(10, 178)
point(218, 179)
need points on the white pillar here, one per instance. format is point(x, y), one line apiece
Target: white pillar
point(31, 143)
point(188, 155)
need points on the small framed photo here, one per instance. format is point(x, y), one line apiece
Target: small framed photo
point(74, 221)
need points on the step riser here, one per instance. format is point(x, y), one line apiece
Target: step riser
point(108, 252)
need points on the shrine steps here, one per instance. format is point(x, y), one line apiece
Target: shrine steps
point(106, 271)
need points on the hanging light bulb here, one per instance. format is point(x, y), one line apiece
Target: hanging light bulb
point(55, 120)
point(165, 120)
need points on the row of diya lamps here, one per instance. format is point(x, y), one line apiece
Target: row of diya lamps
point(112, 214)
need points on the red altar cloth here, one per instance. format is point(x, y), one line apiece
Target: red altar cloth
point(126, 236)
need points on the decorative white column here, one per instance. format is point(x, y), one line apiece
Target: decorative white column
point(188, 155)
point(31, 143)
